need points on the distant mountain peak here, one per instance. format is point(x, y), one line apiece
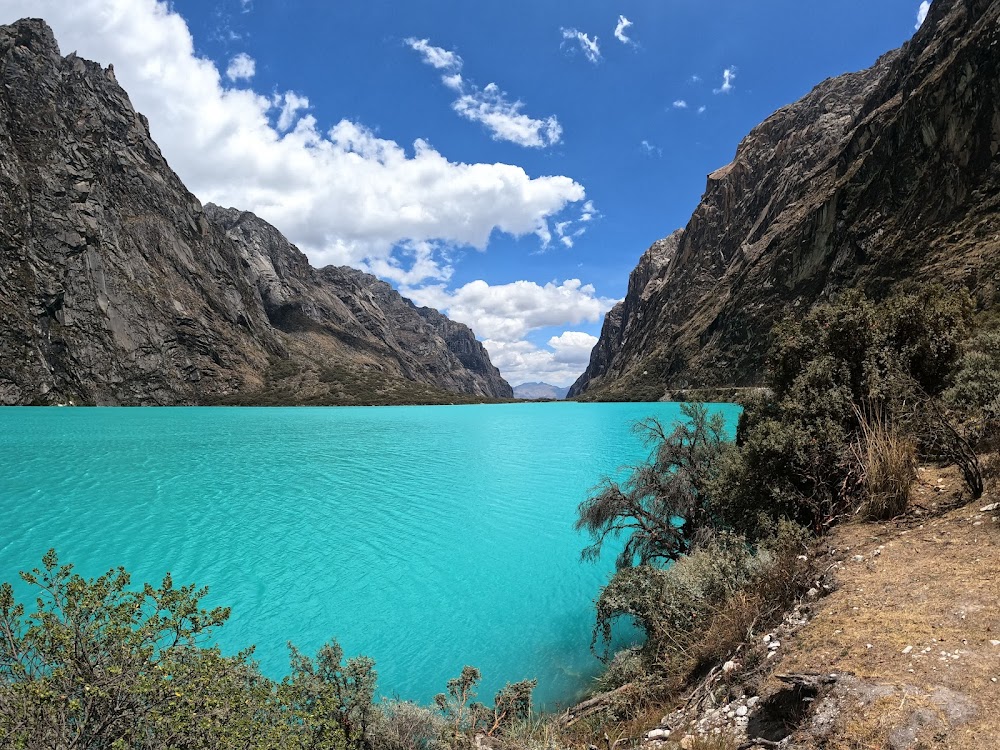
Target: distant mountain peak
point(531, 391)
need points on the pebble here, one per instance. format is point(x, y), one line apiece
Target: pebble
point(908, 649)
point(741, 711)
point(657, 734)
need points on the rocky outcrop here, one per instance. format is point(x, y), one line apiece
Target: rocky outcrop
point(118, 287)
point(874, 179)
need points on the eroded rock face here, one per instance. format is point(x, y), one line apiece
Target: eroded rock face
point(873, 179)
point(118, 287)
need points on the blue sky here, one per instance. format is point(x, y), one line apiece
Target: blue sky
point(505, 161)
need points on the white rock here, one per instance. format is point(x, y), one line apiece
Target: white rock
point(753, 701)
point(859, 558)
point(741, 711)
point(908, 649)
point(687, 742)
point(989, 508)
point(728, 667)
point(656, 734)
point(767, 638)
point(995, 643)
point(774, 645)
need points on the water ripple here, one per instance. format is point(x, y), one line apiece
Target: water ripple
point(426, 537)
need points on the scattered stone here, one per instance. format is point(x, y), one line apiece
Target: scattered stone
point(989, 508)
point(657, 734)
point(908, 649)
point(741, 711)
point(728, 667)
point(687, 742)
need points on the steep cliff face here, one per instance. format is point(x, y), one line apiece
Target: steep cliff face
point(336, 314)
point(874, 179)
point(116, 286)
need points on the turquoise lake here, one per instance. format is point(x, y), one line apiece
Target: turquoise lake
point(425, 537)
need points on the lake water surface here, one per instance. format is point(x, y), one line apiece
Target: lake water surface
point(424, 537)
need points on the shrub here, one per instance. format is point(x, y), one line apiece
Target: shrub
point(406, 726)
point(663, 505)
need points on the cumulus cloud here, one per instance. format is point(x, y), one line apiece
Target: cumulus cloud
point(241, 68)
point(623, 24)
point(680, 104)
point(489, 105)
point(291, 104)
point(341, 193)
point(508, 312)
point(504, 314)
point(701, 110)
point(728, 76)
point(925, 6)
point(523, 362)
point(590, 48)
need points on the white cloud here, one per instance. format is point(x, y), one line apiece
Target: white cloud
point(649, 149)
point(504, 119)
point(680, 104)
point(695, 79)
point(342, 194)
point(573, 347)
point(241, 68)
point(504, 314)
point(701, 110)
point(488, 106)
point(508, 312)
point(246, 5)
point(588, 46)
point(436, 57)
point(728, 76)
point(523, 362)
point(623, 24)
point(925, 6)
point(291, 104)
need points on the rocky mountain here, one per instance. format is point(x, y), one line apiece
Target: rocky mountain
point(873, 180)
point(530, 391)
point(118, 287)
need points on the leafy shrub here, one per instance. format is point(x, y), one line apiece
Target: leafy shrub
point(700, 608)
point(100, 665)
point(663, 505)
point(976, 389)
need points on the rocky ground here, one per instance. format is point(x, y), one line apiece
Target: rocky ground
point(896, 646)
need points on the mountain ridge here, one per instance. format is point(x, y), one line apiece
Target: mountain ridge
point(873, 180)
point(119, 287)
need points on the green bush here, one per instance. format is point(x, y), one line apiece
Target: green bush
point(662, 506)
point(99, 665)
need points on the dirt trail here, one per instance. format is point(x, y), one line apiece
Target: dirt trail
point(912, 630)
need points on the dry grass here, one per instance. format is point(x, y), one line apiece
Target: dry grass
point(917, 615)
point(887, 461)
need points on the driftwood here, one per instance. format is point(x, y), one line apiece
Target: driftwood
point(807, 680)
point(591, 706)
